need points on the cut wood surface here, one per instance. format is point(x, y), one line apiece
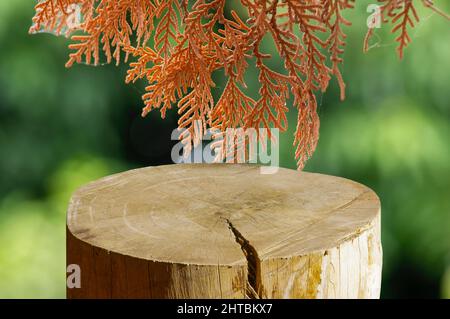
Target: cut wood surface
point(224, 231)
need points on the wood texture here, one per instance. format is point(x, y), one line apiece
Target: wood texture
point(224, 231)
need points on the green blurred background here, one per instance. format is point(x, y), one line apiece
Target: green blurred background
point(61, 128)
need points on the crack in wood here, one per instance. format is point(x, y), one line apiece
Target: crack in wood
point(255, 289)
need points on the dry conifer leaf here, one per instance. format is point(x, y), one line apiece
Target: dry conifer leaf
point(176, 45)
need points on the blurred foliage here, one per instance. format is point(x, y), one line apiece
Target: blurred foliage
point(61, 128)
point(446, 284)
point(32, 232)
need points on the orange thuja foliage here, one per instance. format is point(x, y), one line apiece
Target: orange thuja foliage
point(177, 45)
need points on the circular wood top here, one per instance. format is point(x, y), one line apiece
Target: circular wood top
point(192, 213)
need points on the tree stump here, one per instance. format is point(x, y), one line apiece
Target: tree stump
point(224, 231)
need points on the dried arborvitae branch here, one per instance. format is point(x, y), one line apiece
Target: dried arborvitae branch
point(177, 45)
point(402, 14)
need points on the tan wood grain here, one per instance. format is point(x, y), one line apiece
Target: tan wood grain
point(224, 231)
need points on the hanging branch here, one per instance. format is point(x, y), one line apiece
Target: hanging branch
point(176, 46)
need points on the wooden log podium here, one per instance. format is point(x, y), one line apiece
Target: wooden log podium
point(224, 231)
